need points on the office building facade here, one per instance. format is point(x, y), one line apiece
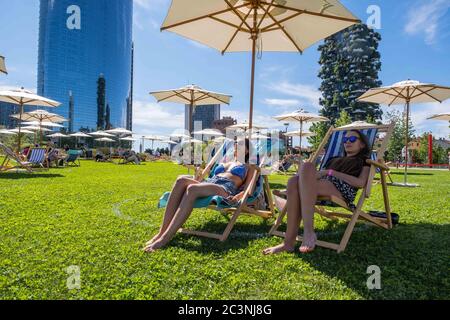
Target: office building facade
point(203, 116)
point(85, 61)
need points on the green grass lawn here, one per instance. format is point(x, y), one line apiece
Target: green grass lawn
point(99, 216)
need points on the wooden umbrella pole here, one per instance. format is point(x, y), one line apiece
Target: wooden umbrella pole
point(252, 87)
point(191, 110)
point(20, 124)
point(301, 132)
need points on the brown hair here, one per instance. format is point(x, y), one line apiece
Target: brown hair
point(352, 165)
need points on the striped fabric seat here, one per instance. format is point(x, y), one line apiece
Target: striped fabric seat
point(336, 147)
point(37, 156)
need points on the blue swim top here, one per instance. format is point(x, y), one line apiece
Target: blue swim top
point(239, 171)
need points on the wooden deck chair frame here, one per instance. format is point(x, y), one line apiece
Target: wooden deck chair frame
point(242, 208)
point(352, 215)
point(10, 155)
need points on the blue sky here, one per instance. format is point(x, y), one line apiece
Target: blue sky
point(415, 45)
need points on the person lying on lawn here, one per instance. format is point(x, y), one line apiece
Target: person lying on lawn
point(341, 178)
point(228, 179)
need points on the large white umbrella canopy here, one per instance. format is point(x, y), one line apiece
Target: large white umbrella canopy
point(245, 126)
point(406, 92)
point(180, 135)
point(358, 125)
point(101, 134)
point(119, 131)
point(105, 140)
point(2, 65)
point(129, 139)
point(23, 98)
point(257, 25)
point(19, 130)
point(301, 117)
point(43, 124)
point(57, 135)
point(40, 116)
point(209, 132)
point(4, 131)
point(193, 96)
point(169, 142)
point(36, 128)
point(442, 116)
point(80, 135)
point(300, 134)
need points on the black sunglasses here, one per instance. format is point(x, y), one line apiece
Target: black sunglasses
point(352, 139)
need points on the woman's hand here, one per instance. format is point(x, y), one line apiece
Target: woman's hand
point(236, 198)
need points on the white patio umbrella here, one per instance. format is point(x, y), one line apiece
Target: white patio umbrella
point(209, 133)
point(301, 117)
point(180, 136)
point(105, 140)
point(20, 130)
point(119, 131)
point(442, 116)
point(169, 142)
point(5, 131)
point(23, 98)
point(101, 134)
point(153, 139)
point(406, 92)
point(129, 139)
point(300, 134)
point(193, 96)
point(257, 25)
point(43, 124)
point(358, 125)
point(2, 65)
point(79, 135)
point(58, 136)
point(246, 126)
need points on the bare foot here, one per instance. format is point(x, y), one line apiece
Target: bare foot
point(309, 243)
point(278, 249)
point(155, 238)
point(154, 246)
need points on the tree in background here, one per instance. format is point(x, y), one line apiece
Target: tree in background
point(101, 102)
point(397, 141)
point(350, 63)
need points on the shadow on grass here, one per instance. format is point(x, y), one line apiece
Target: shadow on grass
point(413, 260)
point(240, 237)
point(19, 176)
point(412, 173)
point(277, 186)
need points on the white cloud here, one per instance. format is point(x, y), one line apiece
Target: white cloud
point(306, 93)
point(419, 115)
point(426, 19)
point(153, 118)
point(282, 102)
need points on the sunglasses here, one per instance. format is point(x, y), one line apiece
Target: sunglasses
point(351, 139)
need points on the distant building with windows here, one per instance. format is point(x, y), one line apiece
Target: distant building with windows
point(6, 111)
point(222, 124)
point(204, 115)
point(85, 61)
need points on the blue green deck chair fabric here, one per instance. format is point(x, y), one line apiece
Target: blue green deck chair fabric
point(73, 158)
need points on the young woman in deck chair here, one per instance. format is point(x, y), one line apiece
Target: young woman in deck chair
point(341, 177)
point(228, 179)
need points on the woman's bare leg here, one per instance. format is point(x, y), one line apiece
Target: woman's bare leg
point(294, 218)
point(184, 210)
point(173, 203)
point(308, 197)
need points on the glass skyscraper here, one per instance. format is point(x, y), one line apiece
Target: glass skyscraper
point(203, 116)
point(85, 60)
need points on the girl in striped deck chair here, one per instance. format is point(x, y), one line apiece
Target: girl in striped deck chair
point(340, 177)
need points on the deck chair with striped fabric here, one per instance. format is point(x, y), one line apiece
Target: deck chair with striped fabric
point(10, 156)
point(257, 188)
point(334, 148)
point(38, 158)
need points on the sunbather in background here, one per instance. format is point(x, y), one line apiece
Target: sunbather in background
point(228, 179)
point(341, 178)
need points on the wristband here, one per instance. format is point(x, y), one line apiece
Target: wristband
point(330, 173)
